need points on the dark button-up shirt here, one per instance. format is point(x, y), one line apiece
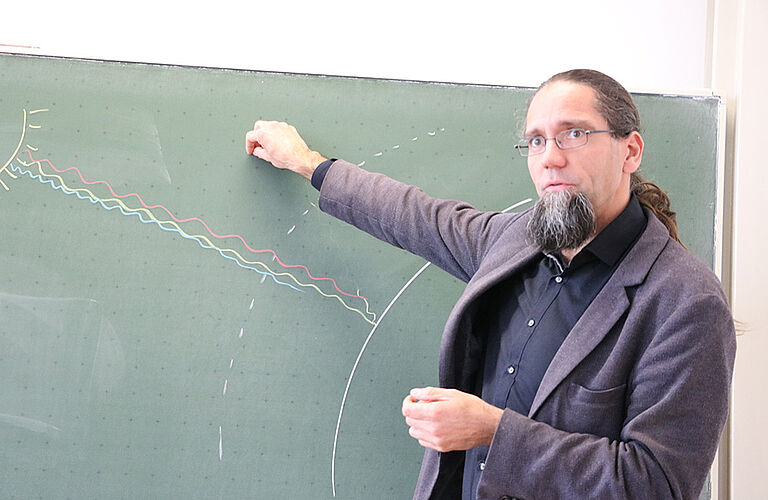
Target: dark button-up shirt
point(526, 318)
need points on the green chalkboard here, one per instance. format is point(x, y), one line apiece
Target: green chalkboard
point(179, 320)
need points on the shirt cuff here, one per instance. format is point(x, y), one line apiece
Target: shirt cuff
point(318, 176)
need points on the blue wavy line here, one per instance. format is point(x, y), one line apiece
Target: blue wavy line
point(141, 218)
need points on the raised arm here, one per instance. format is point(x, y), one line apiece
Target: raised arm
point(451, 234)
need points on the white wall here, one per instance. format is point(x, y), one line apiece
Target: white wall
point(655, 44)
point(661, 45)
point(741, 37)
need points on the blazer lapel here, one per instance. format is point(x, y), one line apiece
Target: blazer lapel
point(593, 326)
point(603, 313)
point(461, 348)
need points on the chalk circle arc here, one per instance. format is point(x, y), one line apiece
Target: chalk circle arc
point(365, 345)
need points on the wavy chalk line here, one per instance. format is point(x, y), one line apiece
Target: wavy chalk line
point(200, 238)
point(210, 231)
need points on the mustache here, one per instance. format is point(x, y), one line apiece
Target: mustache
point(561, 220)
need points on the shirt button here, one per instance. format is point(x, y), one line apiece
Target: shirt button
point(482, 466)
point(511, 369)
point(531, 322)
point(559, 279)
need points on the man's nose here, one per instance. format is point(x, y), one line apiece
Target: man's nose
point(553, 156)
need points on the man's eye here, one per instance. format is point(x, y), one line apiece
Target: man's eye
point(575, 133)
point(537, 142)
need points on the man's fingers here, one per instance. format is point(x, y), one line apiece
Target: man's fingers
point(411, 422)
point(422, 410)
point(413, 408)
point(431, 393)
point(420, 434)
point(406, 402)
point(260, 152)
point(423, 402)
point(251, 141)
point(427, 444)
point(424, 440)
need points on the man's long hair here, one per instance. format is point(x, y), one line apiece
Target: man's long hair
point(615, 105)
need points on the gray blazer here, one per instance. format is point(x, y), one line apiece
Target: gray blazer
point(635, 399)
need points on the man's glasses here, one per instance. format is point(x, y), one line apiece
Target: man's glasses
point(567, 139)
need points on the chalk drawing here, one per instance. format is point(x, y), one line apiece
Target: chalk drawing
point(365, 344)
point(173, 226)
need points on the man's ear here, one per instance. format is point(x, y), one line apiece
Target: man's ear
point(633, 153)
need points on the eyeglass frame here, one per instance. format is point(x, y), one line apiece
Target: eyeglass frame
point(525, 143)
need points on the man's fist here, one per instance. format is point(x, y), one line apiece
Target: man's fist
point(282, 146)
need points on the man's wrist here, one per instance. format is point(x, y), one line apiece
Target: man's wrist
point(312, 163)
point(492, 423)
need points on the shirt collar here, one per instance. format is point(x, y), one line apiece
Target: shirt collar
point(618, 236)
point(611, 243)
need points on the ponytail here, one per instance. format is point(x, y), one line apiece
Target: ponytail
point(653, 197)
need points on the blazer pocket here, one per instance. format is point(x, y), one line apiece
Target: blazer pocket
point(613, 396)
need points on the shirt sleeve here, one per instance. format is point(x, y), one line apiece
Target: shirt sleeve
point(318, 176)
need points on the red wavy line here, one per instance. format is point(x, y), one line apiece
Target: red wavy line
point(225, 236)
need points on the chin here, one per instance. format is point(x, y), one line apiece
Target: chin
point(559, 188)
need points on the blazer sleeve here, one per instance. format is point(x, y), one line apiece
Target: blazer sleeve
point(451, 234)
point(676, 405)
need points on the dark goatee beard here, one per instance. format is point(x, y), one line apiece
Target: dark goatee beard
point(561, 220)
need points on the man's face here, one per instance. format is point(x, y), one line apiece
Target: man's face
point(600, 169)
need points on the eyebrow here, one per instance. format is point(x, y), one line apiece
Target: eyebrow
point(562, 125)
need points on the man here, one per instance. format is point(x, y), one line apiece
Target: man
point(590, 355)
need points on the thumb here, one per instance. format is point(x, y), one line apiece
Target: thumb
point(427, 393)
